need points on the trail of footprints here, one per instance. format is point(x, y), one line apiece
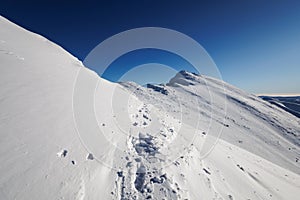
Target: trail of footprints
point(143, 177)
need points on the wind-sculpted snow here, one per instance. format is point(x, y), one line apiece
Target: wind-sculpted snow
point(194, 138)
point(249, 120)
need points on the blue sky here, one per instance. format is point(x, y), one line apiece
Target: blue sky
point(255, 44)
point(153, 66)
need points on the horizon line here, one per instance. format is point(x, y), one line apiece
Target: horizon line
point(279, 94)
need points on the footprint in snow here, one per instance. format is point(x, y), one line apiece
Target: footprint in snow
point(63, 153)
point(90, 157)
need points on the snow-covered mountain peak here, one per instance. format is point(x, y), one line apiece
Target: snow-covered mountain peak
point(183, 78)
point(68, 134)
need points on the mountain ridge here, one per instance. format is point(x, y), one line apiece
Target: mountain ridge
point(183, 145)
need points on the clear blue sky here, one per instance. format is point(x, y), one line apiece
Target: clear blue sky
point(255, 44)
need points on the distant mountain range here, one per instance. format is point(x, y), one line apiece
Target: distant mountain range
point(290, 104)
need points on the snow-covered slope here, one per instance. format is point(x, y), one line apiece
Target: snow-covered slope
point(243, 119)
point(155, 150)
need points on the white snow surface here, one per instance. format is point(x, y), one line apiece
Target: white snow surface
point(193, 138)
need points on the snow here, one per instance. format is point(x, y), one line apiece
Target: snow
point(193, 138)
